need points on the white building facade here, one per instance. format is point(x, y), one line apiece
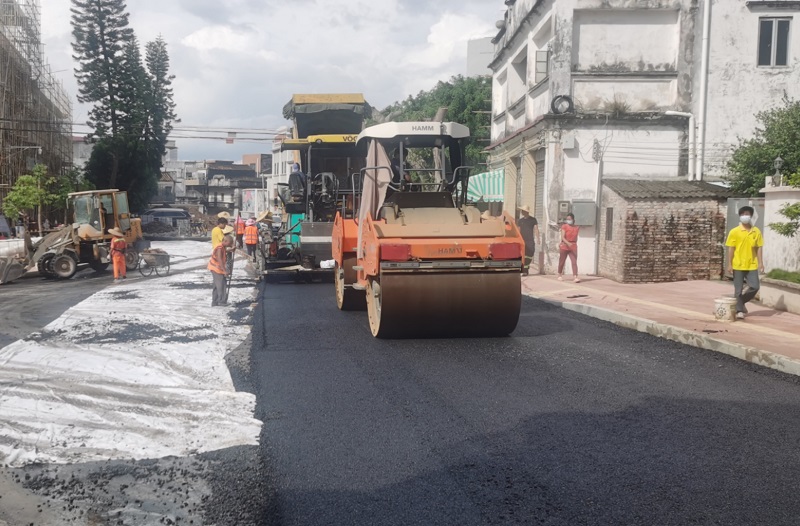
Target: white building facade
point(281, 168)
point(590, 89)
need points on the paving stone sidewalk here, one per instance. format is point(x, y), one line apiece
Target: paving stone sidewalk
point(682, 312)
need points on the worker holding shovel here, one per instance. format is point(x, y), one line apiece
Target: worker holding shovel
point(118, 248)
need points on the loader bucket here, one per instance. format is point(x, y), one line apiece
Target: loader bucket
point(10, 269)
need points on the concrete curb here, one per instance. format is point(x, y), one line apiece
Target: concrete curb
point(677, 334)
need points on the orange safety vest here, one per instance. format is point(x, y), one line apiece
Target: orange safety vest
point(251, 235)
point(218, 260)
point(239, 228)
point(118, 247)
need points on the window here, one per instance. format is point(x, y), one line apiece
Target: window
point(609, 224)
point(773, 42)
point(542, 64)
point(518, 77)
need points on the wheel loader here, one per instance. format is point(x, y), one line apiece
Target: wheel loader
point(86, 240)
point(418, 256)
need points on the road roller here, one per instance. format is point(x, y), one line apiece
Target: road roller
point(418, 257)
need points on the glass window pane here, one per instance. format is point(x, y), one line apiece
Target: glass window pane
point(782, 44)
point(765, 44)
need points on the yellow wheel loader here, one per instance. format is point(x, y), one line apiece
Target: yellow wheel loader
point(58, 254)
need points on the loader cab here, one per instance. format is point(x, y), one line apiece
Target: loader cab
point(96, 212)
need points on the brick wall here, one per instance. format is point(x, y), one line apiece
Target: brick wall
point(672, 240)
point(612, 251)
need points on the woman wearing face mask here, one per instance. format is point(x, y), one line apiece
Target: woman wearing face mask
point(569, 248)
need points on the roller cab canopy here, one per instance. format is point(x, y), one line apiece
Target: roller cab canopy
point(323, 114)
point(415, 134)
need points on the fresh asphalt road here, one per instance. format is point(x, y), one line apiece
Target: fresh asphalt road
point(31, 302)
point(569, 421)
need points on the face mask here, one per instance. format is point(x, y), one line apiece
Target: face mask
point(745, 219)
point(570, 221)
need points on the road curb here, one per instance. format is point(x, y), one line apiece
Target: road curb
point(760, 357)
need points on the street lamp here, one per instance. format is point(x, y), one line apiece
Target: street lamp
point(777, 179)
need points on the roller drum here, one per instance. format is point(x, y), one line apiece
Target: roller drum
point(348, 298)
point(444, 304)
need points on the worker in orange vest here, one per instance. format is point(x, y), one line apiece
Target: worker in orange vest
point(240, 226)
point(251, 237)
point(218, 265)
point(118, 248)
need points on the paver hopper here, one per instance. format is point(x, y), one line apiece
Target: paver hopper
point(419, 255)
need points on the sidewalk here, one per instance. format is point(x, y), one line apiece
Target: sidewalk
point(682, 312)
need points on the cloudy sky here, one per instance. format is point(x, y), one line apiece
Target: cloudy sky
point(237, 62)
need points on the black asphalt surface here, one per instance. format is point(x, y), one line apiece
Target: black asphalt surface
point(31, 302)
point(570, 421)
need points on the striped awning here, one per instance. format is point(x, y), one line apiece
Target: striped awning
point(488, 186)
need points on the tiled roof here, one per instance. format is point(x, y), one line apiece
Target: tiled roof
point(678, 189)
point(166, 178)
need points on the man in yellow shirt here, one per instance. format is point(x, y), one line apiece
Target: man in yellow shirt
point(745, 259)
point(217, 232)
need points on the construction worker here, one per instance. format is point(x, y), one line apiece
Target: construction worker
point(251, 237)
point(218, 265)
point(217, 232)
point(240, 226)
point(118, 248)
point(228, 233)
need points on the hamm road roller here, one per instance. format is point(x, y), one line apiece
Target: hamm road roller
point(418, 256)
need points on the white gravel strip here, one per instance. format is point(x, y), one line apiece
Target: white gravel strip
point(134, 371)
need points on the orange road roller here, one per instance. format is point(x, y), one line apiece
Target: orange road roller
point(415, 253)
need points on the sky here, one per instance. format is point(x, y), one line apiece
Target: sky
point(237, 62)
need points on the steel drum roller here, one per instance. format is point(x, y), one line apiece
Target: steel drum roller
point(444, 304)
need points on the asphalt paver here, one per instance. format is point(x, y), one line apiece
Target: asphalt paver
point(569, 421)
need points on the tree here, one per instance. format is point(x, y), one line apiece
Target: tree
point(162, 111)
point(30, 193)
point(463, 97)
point(100, 31)
point(778, 135)
point(133, 108)
point(790, 212)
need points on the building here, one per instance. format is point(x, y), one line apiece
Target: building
point(35, 109)
point(218, 184)
point(479, 53)
point(260, 162)
point(81, 151)
point(642, 216)
point(281, 168)
point(166, 190)
point(578, 99)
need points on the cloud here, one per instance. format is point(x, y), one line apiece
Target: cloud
point(237, 62)
point(225, 38)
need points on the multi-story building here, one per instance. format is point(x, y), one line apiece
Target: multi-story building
point(35, 111)
point(586, 91)
point(281, 168)
point(218, 184)
point(479, 53)
point(81, 151)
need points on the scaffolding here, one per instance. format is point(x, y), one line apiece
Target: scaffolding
point(35, 109)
